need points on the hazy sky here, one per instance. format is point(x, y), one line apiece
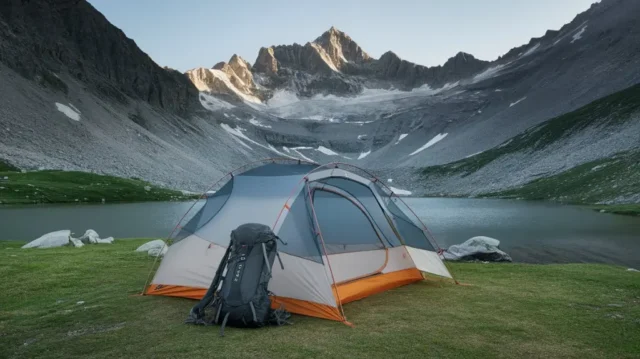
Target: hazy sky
point(193, 33)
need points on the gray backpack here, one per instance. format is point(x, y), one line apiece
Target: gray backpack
point(239, 297)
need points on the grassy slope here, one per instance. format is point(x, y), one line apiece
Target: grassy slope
point(616, 108)
point(509, 310)
point(61, 186)
point(588, 183)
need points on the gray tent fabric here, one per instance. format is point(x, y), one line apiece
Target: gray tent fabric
point(371, 204)
point(345, 228)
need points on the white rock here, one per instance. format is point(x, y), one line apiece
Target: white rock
point(478, 247)
point(80, 302)
point(156, 243)
point(76, 242)
point(632, 270)
point(154, 248)
point(108, 240)
point(50, 240)
point(90, 237)
point(161, 251)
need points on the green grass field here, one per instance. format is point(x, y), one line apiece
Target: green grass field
point(70, 187)
point(83, 302)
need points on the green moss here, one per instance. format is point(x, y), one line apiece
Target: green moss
point(7, 167)
point(505, 311)
point(610, 110)
point(62, 186)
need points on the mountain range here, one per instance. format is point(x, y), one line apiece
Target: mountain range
point(77, 94)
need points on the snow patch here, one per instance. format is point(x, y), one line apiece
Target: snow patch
point(400, 192)
point(68, 111)
point(402, 136)
point(360, 137)
point(431, 142)
point(212, 103)
point(286, 149)
point(517, 102)
point(255, 122)
point(578, 35)
point(296, 150)
point(364, 154)
point(531, 50)
point(326, 151)
point(488, 73)
point(390, 180)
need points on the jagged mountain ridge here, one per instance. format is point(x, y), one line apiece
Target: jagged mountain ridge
point(186, 140)
point(335, 64)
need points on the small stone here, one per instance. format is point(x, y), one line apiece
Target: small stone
point(81, 302)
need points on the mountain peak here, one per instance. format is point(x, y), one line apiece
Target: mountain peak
point(341, 48)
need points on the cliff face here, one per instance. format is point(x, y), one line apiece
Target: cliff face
point(40, 38)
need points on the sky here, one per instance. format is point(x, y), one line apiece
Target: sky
point(200, 33)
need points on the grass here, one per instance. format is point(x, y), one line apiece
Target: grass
point(507, 311)
point(7, 167)
point(626, 209)
point(590, 182)
point(62, 186)
point(610, 110)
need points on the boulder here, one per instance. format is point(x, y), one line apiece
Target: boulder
point(477, 248)
point(92, 237)
point(50, 240)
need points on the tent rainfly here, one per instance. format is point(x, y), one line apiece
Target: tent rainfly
point(347, 236)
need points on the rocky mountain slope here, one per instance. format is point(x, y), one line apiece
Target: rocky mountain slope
point(77, 93)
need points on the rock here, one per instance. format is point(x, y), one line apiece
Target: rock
point(92, 237)
point(155, 252)
point(266, 61)
point(632, 270)
point(154, 247)
point(76, 242)
point(477, 248)
point(50, 240)
point(81, 302)
point(40, 38)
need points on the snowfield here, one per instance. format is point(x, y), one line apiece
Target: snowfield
point(439, 137)
point(402, 136)
point(70, 112)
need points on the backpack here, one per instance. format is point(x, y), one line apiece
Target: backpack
point(239, 296)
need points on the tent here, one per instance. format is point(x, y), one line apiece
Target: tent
point(348, 236)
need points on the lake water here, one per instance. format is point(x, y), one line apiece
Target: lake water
point(534, 232)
